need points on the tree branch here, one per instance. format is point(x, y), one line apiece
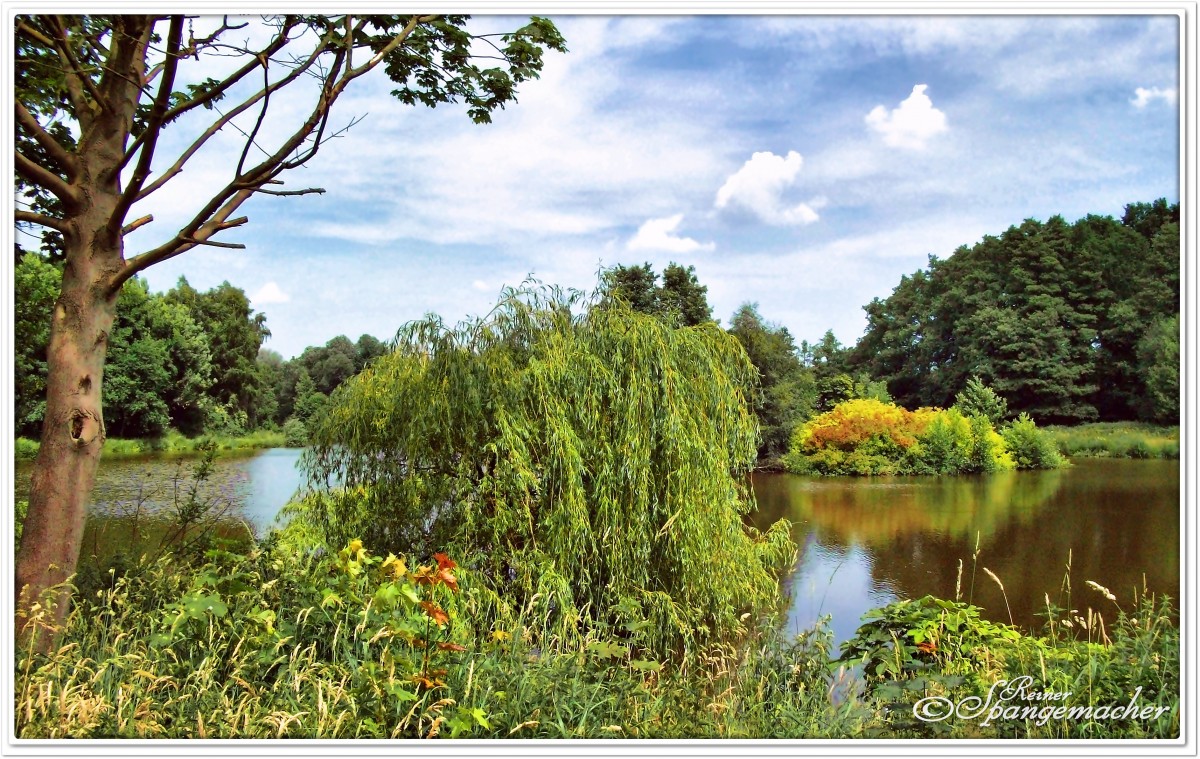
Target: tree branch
point(47, 180)
point(175, 112)
point(216, 126)
point(153, 123)
point(77, 78)
point(136, 223)
point(37, 218)
point(57, 152)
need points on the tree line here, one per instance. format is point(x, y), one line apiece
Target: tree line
point(1068, 323)
point(183, 360)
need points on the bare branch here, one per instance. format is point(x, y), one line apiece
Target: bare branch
point(47, 180)
point(57, 152)
point(282, 193)
point(153, 123)
point(215, 244)
point(276, 45)
point(136, 223)
point(216, 126)
point(387, 49)
point(262, 114)
point(214, 216)
point(42, 219)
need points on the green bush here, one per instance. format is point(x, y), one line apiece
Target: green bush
point(25, 449)
point(295, 435)
point(1030, 447)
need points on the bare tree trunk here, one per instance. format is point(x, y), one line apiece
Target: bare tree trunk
point(72, 436)
point(73, 429)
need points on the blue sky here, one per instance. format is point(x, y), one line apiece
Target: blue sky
point(801, 162)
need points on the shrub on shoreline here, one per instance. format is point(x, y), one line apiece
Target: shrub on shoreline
point(869, 437)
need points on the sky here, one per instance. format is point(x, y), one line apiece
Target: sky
point(803, 163)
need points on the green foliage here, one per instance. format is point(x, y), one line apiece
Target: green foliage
point(866, 436)
point(295, 434)
point(1158, 364)
point(593, 464)
point(947, 650)
point(1031, 448)
point(681, 299)
point(35, 290)
point(977, 399)
point(788, 393)
point(25, 449)
point(1049, 314)
point(235, 333)
point(1117, 440)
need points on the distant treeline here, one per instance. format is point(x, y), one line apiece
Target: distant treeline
point(182, 360)
point(1067, 323)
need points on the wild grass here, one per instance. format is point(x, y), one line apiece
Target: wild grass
point(172, 443)
point(291, 640)
point(1100, 651)
point(282, 644)
point(1133, 440)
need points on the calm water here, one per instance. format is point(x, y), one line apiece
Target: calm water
point(863, 541)
point(867, 541)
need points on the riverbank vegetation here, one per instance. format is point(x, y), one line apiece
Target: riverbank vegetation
point(296, 639)
point(1130, 440)
point(174, 444)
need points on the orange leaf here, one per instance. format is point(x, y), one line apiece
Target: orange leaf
point(451, 647)
point(425, 576)
point(436, 613)
point(444, 561)
point(448, 579)
point(928, 648)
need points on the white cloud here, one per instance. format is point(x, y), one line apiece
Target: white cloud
point(269, 293)
point(480, 285)
point(910, 125)
point(659, 234)
point(1144, 96)
point(759, 185)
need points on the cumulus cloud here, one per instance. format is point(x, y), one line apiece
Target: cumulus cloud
point(1143, 96)
point(911, 124)
point(759, 185)
point(269, 293)
point(659, 234)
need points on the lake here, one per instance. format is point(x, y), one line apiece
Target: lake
point(863, 541)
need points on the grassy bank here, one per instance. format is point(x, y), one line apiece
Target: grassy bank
point(1130, 440)
point(171, 444)
point(285, 641)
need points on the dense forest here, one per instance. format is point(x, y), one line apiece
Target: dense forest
point(1068, 323)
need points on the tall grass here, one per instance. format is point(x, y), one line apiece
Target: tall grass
point(291, 640)
point(1133, 440)
point(267, 645)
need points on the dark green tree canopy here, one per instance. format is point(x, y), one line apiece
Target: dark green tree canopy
point(680, 297)
point(1048, 314)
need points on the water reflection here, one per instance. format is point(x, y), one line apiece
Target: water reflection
point(868, 541)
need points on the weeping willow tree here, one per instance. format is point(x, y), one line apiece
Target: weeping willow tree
point(587, 460)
